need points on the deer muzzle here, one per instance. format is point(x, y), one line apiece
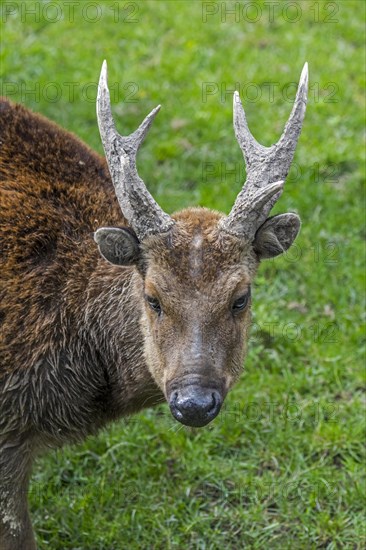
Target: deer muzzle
point(195, 406)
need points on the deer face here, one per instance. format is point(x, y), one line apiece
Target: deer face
point(197, 266)
point(196, 290)
point(197, 313)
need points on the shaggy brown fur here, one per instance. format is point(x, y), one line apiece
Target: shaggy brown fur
point(55, 192)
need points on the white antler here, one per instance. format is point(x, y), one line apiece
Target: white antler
point(139, 208)
point(265, 165)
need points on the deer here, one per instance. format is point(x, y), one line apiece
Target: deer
point(110, 305)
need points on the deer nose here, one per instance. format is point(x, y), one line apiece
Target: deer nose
point(195, 406)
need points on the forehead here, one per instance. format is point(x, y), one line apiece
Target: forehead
point(196, 252)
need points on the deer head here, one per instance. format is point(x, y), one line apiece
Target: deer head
point(196, 267)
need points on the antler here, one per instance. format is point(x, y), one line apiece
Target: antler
point(139, 208)
point(264, 165)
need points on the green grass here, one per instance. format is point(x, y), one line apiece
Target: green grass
point(283, 465)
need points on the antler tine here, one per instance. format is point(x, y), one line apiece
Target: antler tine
point(292, 130)
point(139, 208)
point(248, 144)
point(264, 165)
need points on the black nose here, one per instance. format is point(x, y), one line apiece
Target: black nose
point(194, 406)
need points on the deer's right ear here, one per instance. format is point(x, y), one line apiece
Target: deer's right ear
point(119, 246)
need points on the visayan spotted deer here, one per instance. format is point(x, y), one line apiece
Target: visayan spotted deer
point(103, 313)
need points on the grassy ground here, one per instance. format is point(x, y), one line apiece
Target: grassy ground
point(283, 465)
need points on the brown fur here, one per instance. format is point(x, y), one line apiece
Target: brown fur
point(54, 193)
point(79, 345)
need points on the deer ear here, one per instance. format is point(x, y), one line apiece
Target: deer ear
point(276, 235)
point(119, 246)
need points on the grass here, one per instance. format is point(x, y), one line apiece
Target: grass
point(283, 465)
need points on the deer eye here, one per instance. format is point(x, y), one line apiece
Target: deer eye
point(241, 303)
point(154, 304)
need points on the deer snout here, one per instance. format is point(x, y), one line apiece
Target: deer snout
point(195, 406)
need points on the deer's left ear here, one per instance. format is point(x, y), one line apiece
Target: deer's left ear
point(276, 235)
point(119, 246)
